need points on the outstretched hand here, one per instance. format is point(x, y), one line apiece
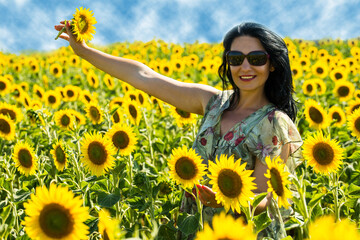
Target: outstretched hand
point(207, 196)
point(68, 36)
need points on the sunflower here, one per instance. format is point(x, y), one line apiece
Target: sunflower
point(357, 94)
point(344, 90)
point(94, 113)
point(108, 227)
point(182, 117)
point(320, 85)
point(352, 106)
point(83, 24)
point(38, 91)
point(123, 138)
point(226, 227)
point(92, 79)
point(308, 87)
point(278, 179)
point(325, 227)
point(5, 86)
point(64, 119)
point(133, 112)
point(55, 213)
point(56, 70)
point(231, 182)
point(52, 99)
point(185, 167)
point(59, 155)
point(7, 128)
point(353, 123)
point(86, 97)
point(115, 102)
point(320, 69)
point(323, 154)
point(79, 117)
point(109, 81)
point(12, 111)
point(116, 116)
point(297, 71)
point(97, 153)
point(337, 115)
point(316, 115)
point(24, 158)
point(74, 60)
point(338, 74)
point(71, 93)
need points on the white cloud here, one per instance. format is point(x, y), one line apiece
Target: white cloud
point(7, 39)
point(21, 3)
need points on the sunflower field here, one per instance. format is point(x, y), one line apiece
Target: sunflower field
point(87, 156)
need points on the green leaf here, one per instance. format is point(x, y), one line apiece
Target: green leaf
point(21, 195)
point(261, 221)
point(287, 238)
point(354, 191)
point(188, 224)
point(108, 200)
point(258, 199)
point(167, 231)
point(315, 199)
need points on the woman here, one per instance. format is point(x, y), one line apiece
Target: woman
point(251, 121)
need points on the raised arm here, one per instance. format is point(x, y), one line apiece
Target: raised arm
point(190, 97)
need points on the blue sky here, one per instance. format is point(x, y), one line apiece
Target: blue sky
point(28, 24)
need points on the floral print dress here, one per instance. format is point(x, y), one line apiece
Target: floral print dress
point(261, 134)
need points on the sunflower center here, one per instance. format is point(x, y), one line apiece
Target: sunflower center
point(309, 88)
point(315, 115)
point(52, 99)
point(141, 99)
point(70, 93)
point(39, 94)
point(355, 107)
point(323, 153)
point(9, 112)
point(83, 24)
point(65, 120)
point(56, 71)
point(185, 168)
point(229, 183)
point(336, 116)
point(60, 155)
point(4, 126)
point(116, 117)
point(2, 86)
point(343, 91)
point(121, 139)
point(25, 158)
point(338, 76)
point(97, 153)
point(56, 221)
point(133, 111)
point(276, 182)
point(182, 113)
point(357, 124)
point(319, 70)
point(94, 112)
point(87, 98)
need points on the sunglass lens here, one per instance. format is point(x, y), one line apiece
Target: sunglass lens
point(235, 58)
point(257, 58)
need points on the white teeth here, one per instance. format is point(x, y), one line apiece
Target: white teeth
point(247, 77)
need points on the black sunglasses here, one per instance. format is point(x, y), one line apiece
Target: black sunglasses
point(255, 58)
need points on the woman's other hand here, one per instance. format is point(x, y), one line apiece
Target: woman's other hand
point(207, 196)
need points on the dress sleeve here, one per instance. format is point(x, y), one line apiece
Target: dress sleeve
point(271, 134)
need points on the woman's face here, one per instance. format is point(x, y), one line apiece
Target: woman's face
point(249, 78)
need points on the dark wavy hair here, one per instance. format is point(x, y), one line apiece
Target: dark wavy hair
point(278, 87)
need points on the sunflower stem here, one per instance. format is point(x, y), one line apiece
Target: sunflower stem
point(61, 31)
point(336, 196)
point(200, 208)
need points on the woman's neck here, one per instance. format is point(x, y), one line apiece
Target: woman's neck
point(250, 100)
